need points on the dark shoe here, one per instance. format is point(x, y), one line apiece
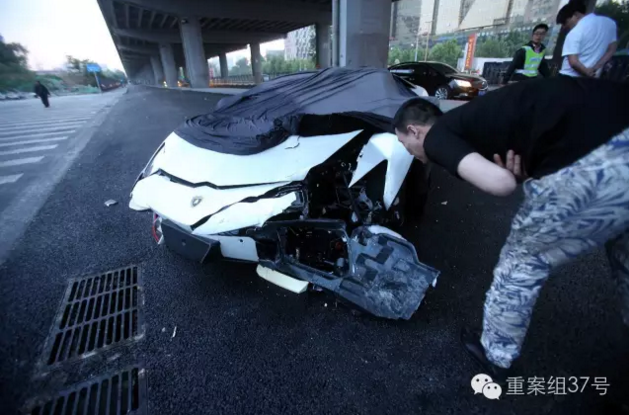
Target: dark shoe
point(471, 342)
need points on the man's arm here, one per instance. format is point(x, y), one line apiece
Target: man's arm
point(576, 64)
point(516, 63)
point(611, 49)
point(543, 69)
point(487, 176)
point(572, 49)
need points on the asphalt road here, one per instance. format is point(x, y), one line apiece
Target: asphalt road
point(37, 144)
point(220, 340)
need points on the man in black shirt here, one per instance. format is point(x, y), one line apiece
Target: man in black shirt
point(529, 62)
point(42, 92)
point(571, 135)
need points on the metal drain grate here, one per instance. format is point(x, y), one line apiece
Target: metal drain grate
point(122, 393)
point(98, 312)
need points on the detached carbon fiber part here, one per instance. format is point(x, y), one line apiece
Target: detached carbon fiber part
point(384, 277)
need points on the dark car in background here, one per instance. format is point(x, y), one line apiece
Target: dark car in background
point(441, 80)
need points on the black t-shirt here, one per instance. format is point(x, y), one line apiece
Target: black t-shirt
point(551, 123)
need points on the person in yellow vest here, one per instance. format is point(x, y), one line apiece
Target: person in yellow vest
point(528, 62)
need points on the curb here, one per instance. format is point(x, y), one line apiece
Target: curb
point(217, 91)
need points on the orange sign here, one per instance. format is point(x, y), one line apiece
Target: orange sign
point(471, 49)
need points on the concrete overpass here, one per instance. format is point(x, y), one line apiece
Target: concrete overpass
point(155, 37)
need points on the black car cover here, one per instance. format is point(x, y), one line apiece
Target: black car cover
point(306, 103)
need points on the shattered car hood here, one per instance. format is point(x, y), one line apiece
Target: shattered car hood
point(289, 161)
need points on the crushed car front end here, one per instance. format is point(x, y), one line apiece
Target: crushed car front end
point(320, 219)
point(303, 176)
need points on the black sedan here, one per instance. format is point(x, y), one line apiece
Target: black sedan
point(441, 80)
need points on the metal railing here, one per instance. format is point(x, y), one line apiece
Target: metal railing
point(241, 80)
point(233, 80)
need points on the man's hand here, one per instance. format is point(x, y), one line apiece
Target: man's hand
point(513, 164)
point(591, 72)
point(576, 64)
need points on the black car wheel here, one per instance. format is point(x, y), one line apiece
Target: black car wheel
point(443, 92)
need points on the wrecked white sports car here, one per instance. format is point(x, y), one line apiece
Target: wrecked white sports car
point(303, 176)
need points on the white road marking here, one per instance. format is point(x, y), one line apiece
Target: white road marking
point(19, 162)
point(30, 127)
point(42, 135)
point(27, 150)
point(42, 140)
point(10, 179)
point(37, 131)
point(56, 121)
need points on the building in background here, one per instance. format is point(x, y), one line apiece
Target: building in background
point(543, 10)
point(443, 17)
point(405, 18)
point(297, 44)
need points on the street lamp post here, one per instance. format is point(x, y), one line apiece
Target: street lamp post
point(427, 41)
point(417, 39)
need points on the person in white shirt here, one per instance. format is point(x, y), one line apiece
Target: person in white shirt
point(591, 42)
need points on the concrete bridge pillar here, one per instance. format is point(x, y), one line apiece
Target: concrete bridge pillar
point(323, 45)
point(363, 27)
point(223, 63)
point(168, 64)
point(256, 62)
point(196, 62)
point(158, 71)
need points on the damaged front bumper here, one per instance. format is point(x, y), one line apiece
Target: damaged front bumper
point(376, 271)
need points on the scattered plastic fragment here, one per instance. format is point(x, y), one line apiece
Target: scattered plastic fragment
point(110, 202)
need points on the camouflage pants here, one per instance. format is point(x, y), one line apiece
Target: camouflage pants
point(574, 210)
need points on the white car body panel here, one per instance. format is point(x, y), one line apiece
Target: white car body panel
point(237, 247)
point(244, 215)
point(421, 92)
point(289, 161)
point(174, 201)
point(385, 146)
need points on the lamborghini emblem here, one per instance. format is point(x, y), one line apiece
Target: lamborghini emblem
point(196, 200)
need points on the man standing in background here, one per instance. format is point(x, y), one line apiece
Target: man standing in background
point(42, 92)
point(528, 62)
point(591, 42)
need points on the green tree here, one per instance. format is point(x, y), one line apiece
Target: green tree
point(515, 40)
point(312, 46)
point(79, 67)
point(277, 65)
point(501, 46)
point(447, 52)
point(492, 48)
point(242, 67)
point(274, 65)
point(14, 72)
point(397, 55)
point(619, 12)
